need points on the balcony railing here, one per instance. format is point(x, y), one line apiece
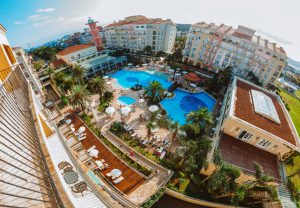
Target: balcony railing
point(25, 179)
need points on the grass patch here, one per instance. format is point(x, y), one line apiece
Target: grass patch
point(294, 105)
point(295, 180)
point(297, 93)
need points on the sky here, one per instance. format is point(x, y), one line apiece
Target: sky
point(37, 21)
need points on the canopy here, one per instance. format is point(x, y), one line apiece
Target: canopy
point(105, 77)
point(108, 83)
point(81, 129)
point(141, 100)
point(193, 85)
point(153, 108)
point(130, 64)
point(115, 173)
point(193, 77)
point(94, 153)
point(125, 110)
point(68, 121)
point(110, 110)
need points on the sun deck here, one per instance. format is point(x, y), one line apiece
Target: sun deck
point(243, 155)
point(132, 179)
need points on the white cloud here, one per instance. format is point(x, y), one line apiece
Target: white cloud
point(46, 10)
point(37, 17)
point(60, 19)
point(17, 22)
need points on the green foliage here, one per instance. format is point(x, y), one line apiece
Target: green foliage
point(153, 199)
point(79, 96)
point(226, 75)
point(45, 53)
point(37, 66)
point(148, 50)
point(78, 73)
point(97, 85)
point(64, 99)
point(200, 117)
point(154, 92)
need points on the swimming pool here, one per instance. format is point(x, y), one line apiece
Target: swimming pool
point(184, 102)
point(128, 79)
point(126, 100)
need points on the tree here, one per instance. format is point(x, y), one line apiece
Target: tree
point(154, 92)
point(192, 130)
point(201, 117)
point(226, 76)
point(45, 52)
point(149, 127)
point(78, 73)
point(97, 85)
point(175, 127)
point(79, 96)
point(148, 50)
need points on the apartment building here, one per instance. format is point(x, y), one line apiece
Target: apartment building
point(254, 126)
point(137, 32)
point(216, 47)
point(25, 179)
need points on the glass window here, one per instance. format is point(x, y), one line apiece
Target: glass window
point(263, 143)
point(245, 136)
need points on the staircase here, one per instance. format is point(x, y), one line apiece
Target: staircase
point(284, 196)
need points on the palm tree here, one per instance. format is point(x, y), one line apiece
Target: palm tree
point(78, 73)
point(200, 117)
point(149, 127)
point(175, 127)
point(98, 86)
point(79, 96)
point(154, 92)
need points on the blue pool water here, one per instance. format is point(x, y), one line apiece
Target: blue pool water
point(128, 79)
point(126, 100)
point(185, 102)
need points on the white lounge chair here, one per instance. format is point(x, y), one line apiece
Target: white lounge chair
point(118, 180)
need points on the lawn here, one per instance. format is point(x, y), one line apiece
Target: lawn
point(294, 105)
point(297, 93)
point(292, 169)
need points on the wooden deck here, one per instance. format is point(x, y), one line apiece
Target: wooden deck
point(132, 179)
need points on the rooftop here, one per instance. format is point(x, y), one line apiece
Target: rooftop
point(139, 20)
point(242, 154)
point(243, 33)
point(245, 110)
point(73, 49)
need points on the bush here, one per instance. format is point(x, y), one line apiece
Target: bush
point(153, 199)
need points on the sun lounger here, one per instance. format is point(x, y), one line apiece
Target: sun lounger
point(162, 155)
point(93, 147)
point(118, 180)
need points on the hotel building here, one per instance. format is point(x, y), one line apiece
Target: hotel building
point(254, 126)
point(216, 47)
point(25, 179)
point(137, 32)
point(89, 58)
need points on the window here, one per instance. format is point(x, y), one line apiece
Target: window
point(263, 143)
point(245, 136)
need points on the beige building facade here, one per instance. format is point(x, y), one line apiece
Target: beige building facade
point(216, 47)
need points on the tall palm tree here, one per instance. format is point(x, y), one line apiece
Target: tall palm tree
point(78, 73)
point(79, 96)
point(200, 117)
point(154, 92)
point(149, 126)
point(98, 86)
point(175, 128)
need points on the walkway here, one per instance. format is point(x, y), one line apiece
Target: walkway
point(59, 154)
point(153, 183)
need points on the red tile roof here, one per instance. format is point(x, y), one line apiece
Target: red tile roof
point(136, 20)
point(244, 110)
point(57, 63)
point(193, 77)
point(72, 49)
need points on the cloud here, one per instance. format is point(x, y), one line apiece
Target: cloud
point(37, 17)
point(17, 22)
point(45, 10)
point(60, 19)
